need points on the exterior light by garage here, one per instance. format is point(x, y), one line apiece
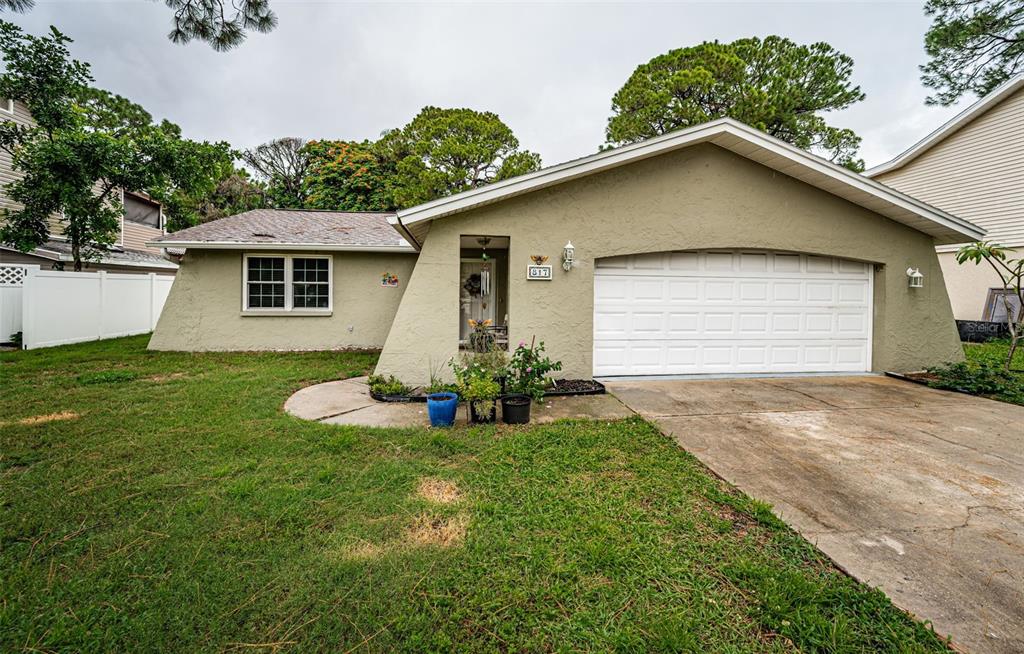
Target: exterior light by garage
point(916, 278)
point(568, 257)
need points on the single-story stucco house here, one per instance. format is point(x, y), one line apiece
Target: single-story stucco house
point(714, 249)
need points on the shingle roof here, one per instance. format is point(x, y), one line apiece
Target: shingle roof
point(61, 251)
point(326, 229)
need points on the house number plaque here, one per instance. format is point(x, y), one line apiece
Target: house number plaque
point(535, 273)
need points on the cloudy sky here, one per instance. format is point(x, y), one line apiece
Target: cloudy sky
point(549, 70)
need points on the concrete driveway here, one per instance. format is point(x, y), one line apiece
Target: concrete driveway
point(914, 490)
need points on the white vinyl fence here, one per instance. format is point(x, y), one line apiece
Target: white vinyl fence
point(58, 307)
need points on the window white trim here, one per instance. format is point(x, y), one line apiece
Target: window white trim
point(289, 309)
point(7, 106)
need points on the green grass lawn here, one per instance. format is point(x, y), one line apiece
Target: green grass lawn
point(164, 502)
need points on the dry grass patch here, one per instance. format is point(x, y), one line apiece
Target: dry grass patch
point(48, 417)
point(439, 491)
point(432, 530)
point(364, 551)
point(168, 377)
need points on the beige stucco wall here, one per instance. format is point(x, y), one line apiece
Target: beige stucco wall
point(698, 198)
point(968, 284)
point(203, 310)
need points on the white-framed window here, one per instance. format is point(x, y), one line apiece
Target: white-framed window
point(299, 283)
point(7, 106)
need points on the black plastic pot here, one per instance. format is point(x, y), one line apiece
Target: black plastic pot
point(515, 409)
point(478, 415)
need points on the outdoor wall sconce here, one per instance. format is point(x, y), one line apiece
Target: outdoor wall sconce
point(568, 257)
point(916, 278)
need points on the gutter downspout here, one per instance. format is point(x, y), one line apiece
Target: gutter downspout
point(408, 235)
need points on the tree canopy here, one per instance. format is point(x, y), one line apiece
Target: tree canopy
point(446, 151)
point(84, 148)
point(974, 46)
point(346, 176)
point(774, 85)
point(281, 165)
point(221, 23)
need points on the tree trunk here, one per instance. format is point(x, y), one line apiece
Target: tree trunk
point(76, 253)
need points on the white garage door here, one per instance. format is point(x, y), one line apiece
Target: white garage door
point(678, 313)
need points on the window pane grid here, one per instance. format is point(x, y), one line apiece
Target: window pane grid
point(267, 285)
point(310, 283)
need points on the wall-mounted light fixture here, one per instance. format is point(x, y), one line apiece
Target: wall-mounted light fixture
point(568, 257)
point(916, 278)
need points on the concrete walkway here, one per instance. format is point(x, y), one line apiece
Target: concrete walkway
point(348, 402)
point(914, 490)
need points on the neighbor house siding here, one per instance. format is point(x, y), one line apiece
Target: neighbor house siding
point(134, 236)
point(7, 173)
point(977, 173)
point(204, 308)
point(702, 197)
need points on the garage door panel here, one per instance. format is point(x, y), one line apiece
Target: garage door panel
point(688, 312)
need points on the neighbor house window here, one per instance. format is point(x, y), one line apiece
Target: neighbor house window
point(140, 210)
point(995, 305)
point(286, 283)
point(7, 106)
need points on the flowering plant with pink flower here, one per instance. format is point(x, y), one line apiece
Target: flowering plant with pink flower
point(528, 369)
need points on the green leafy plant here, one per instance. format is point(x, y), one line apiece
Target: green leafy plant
point(977, 378)
point(380, 385)
point(528, 370)
point(478, 390)
point(106, 377)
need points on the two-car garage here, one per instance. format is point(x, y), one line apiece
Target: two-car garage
point(727, 312)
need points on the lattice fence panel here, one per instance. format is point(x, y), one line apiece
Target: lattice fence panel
point(12, 275)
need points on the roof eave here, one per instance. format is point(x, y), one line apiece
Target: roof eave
point(234, 245)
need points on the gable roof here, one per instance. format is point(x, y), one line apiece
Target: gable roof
point(726, 133)
point(267, 229)
point(950, 127)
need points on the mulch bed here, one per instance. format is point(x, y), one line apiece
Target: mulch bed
point(575, 387)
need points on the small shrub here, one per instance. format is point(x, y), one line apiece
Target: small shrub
point(380, 385)
point(107, 377)
point(528, 370)
point(975, 377)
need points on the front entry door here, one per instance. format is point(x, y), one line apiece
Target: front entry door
point(477, 293)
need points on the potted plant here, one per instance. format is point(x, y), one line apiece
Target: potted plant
point(442, 401)
point(526, 379)
point(441, 408)
point(481, 395)
point(474, 376)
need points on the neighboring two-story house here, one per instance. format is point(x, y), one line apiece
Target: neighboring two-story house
point(142, 221)
point(973, 168)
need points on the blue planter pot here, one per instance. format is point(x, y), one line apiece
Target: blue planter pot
point(441, 409)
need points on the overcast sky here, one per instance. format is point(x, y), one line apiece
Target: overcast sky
point(350, 70)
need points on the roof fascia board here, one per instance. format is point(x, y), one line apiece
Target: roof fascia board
point(235, 245)
point(951, 126)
